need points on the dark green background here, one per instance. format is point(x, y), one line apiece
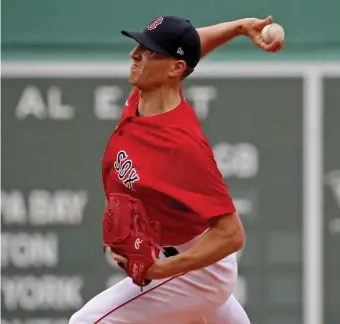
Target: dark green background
point(331, 204)
point(266, 113)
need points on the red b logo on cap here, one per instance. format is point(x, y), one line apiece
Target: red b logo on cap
point(155, 23)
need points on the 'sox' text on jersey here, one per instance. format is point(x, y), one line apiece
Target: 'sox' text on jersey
point(125, 170)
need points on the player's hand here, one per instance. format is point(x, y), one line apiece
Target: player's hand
point(121, 261)
point(252, 28)
point(155, 271)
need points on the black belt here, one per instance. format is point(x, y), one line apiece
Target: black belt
point(170, 251)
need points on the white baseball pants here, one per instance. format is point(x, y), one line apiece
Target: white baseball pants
point(198, 297)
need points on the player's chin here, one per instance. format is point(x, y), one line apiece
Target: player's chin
point(136, 82)
point(133, 79)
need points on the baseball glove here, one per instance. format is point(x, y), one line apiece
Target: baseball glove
point(129, 232)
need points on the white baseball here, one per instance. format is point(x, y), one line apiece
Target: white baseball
point(273, 32)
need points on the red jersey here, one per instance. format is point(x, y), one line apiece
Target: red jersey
point(166, 161)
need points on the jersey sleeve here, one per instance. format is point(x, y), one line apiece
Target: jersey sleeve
point(193, 178)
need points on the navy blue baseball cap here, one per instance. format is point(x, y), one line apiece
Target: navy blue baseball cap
point(172, 36)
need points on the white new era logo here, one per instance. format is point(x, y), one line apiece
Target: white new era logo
point(180, 51)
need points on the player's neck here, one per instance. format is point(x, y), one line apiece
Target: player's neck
point(158, 101)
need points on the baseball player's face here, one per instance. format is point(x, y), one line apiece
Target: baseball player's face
point(150, 70)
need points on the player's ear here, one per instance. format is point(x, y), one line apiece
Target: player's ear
point(178, 68)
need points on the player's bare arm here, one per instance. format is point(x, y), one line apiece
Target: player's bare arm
point(225, 236)
point(217, 35)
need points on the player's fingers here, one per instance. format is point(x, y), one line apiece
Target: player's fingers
point(271, 47)
point(118, 258)
point(278, 48)
point(121, 265)
point(264, 22)
point(257, 39)
point(266, 47)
